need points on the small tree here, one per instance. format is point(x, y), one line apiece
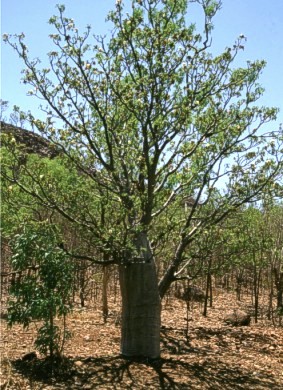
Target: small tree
point(41, 287)
point(149, 117)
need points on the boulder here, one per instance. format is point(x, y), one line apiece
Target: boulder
point(237, 318)
point(191, 293)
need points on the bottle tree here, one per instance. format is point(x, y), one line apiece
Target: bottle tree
point(148, 117)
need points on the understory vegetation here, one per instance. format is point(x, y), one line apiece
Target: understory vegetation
point(154, 175)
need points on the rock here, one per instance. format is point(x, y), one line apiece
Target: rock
point(237, 318)
point(30, 141)
point(88, 338)
point(191, 293)
point(78, 363)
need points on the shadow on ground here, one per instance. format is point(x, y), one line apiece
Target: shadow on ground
point(174, 341)
point(181, 371)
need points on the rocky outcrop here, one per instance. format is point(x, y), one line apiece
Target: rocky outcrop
point(190, 293)
point(237, 318)
point(31, 142)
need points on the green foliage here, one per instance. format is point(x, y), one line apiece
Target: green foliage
point(41, 286)
point(252, 240)
point(14, 200)
point(147, 118)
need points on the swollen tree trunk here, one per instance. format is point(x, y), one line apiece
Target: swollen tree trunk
point(140, 303)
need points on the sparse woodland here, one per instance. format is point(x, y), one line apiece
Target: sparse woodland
point(142, 240)
point(197, 351)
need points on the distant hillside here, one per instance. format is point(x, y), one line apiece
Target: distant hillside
point(33, 143)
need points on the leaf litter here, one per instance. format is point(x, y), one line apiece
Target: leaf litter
point(205, 354)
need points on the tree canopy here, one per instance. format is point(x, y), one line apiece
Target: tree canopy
point(145, 119)
point(148, 115)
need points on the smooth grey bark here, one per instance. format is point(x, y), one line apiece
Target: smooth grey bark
point(141, 307)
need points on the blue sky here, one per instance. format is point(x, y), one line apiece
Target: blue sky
point(259, 20)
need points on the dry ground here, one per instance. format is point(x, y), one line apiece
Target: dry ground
point(213, 356)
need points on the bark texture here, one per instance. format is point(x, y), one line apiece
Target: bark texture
point(140, 304)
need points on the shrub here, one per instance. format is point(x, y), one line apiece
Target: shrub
point(41, 287)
